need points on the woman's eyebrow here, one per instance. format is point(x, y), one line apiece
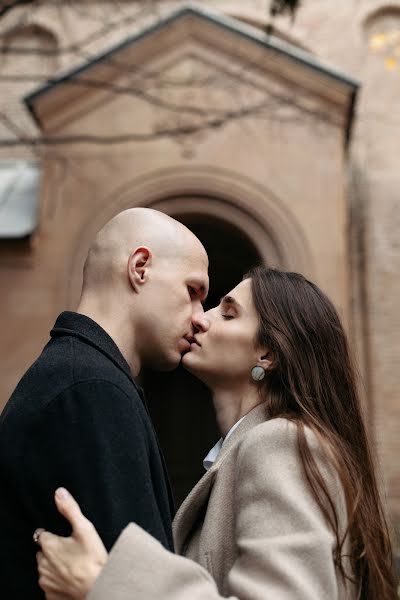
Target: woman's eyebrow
point(231, 300)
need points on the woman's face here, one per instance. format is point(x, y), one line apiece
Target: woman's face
point(226, 353)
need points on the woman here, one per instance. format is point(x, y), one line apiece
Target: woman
point(290, 507)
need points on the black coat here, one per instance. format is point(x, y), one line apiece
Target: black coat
point(76, 419)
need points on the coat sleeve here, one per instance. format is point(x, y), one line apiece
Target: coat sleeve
point(95, 440)
point(284, 545)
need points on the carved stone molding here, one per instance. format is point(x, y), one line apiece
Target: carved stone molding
point(218, 193)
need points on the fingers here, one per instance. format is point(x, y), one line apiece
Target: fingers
point(50, 583)
point(70, 509)
point(36, 535)
point(43, 564)
point(48, 542)
point(46, 579)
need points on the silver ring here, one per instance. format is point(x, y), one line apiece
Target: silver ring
point(36, 535)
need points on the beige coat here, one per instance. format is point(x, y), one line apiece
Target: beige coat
point(251, 524)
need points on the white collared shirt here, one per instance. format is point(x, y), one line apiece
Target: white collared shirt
point(213, 454)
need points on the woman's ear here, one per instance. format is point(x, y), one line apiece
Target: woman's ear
point(138, 264)
point(267, 360)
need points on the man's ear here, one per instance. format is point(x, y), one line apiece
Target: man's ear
point(138, 264)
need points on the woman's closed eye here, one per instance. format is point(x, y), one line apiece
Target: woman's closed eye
point(227, 317)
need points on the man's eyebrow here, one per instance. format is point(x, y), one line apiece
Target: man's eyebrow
point(230, 300)
point(202, 291)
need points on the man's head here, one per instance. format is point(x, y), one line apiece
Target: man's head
point(145, 279)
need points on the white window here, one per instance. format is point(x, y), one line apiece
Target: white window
point(19, 194)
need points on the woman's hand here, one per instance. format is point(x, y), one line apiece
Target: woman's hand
point(69, 566)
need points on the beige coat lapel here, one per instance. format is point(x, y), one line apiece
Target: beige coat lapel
point(190, 507)
point(198, 497)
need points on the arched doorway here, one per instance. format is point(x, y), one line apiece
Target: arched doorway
point(180, 405)
point(240, 223)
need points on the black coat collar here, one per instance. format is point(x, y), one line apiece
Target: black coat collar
point(87, 330)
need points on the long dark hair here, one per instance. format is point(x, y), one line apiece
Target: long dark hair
point(313, 383)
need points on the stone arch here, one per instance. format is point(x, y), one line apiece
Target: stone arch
point(220, 193)
point(386, 15)
point(29, 30)
point(29, 50)
point(383, 10)
point(32, 43)
point(257, 225)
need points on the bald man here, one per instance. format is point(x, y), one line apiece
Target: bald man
point(77, 417)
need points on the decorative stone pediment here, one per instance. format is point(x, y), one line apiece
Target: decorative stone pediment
point(191, 71)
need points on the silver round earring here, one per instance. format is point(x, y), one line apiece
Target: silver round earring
point(258, 373)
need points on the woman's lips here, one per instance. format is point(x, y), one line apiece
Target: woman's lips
point(194, 343)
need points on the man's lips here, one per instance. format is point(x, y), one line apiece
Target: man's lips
point(184, 345)
point(193, 346)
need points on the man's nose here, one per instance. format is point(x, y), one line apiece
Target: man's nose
point(200, 321)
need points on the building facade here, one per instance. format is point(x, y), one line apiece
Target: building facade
point(273, 142)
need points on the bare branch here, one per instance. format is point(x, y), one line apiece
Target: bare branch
point(262, 110)
point(148, 84)
point(280, 7)
point(129, 137)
